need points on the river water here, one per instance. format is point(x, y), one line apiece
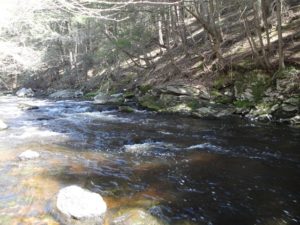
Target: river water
point(183, 171)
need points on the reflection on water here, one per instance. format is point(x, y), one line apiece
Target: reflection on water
point(179, 170)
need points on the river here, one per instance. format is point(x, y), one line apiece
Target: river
point(182, 170)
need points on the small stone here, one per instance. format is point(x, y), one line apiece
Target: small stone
point(3, 125)
point(28, 155)
point(76, 202)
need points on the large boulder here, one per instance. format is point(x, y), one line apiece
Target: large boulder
point(68, 93)
point(25, 92)
point(80, 206)
point(3, 125)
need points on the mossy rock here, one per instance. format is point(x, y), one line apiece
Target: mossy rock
point(168, 100)
point(193, 104)
point(243, 104)
point(224, 80)
point(252, 85)
point(90, 94)
point(129, 94)
point(151, 103)
point(223, 99)
point(144, 88)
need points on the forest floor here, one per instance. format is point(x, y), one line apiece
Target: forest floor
point(195, 65)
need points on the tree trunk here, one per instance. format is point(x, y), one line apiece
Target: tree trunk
point(279, 30)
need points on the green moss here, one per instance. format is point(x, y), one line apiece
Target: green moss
point(258, 90)
point(151, 103)
point(223, 100)
point(244, 65)
point(224, 80)
point(129, 94)
point(283, 73)
point(145, 88)
point(193, 104)
point(243, 104)
point(215, 93)
point(90, 94)
point(219, 83)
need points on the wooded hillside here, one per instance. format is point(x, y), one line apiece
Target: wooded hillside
point(76, 43)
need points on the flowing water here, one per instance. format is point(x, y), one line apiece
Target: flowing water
point(183, 171)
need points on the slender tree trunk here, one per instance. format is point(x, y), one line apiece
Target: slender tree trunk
point(279, 30)
point(160, 31)
point(257, 20)
point(264, 9)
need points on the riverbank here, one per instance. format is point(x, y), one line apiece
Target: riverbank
point(252, 94)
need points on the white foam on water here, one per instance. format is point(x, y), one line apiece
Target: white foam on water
point(35, 132)
point(103, 116)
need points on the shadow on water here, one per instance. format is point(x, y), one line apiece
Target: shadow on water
point(181, 170)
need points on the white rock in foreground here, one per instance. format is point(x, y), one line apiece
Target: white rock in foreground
point(3, 125)
point(29, 154)
point(78, 203)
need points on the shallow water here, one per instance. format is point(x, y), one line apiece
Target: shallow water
point(181, 170)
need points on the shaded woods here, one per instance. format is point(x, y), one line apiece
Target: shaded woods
point(50, 43)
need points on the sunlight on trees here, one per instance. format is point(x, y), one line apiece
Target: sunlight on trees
point(67, 38)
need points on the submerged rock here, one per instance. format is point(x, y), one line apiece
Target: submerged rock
point(28, 155)
point(25, 92)
point(3, 125)
point(77, 203)
point(135, 216)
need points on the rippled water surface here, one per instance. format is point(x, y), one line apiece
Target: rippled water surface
point(183, 171)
